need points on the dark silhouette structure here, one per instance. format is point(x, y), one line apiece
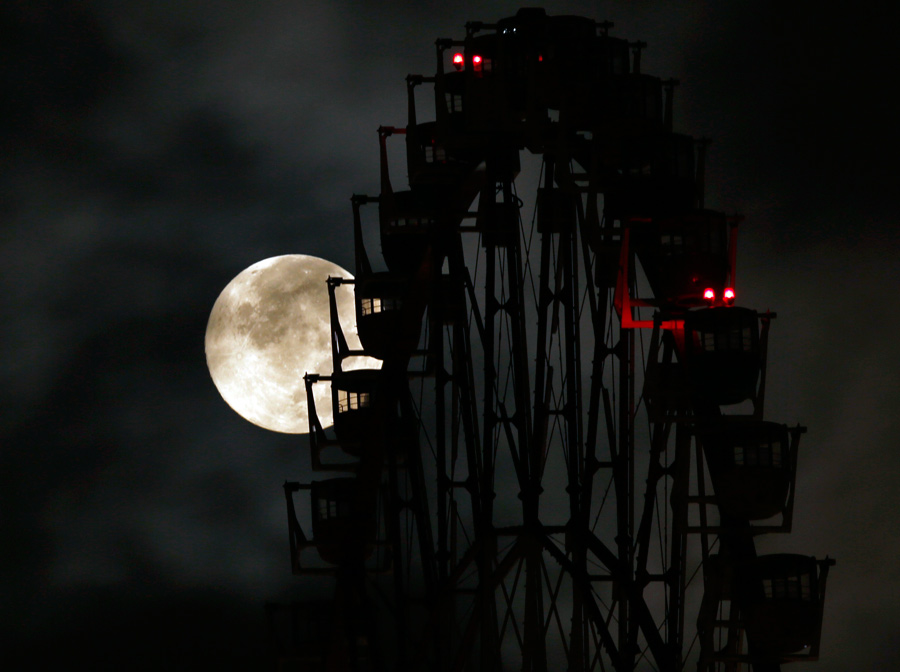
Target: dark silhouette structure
point(565, 458)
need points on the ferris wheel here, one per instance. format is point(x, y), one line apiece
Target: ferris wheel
point(565, 459)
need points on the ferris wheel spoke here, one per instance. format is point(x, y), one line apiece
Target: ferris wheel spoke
point(509, 613)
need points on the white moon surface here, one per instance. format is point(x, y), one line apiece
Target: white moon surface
point(270, 326)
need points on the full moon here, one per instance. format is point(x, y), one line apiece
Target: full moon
point(270, 326)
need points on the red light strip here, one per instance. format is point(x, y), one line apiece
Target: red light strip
point(623, 302)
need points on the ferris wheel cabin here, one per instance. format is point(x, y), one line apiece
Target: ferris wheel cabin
point(334, 520)
point(723, 353)
point(379, 298)
point(434, 160)
point(406, 218)
point(656, 177)
point(752, 465)
point(352, 399)
point(783, 613)
point(683, 256)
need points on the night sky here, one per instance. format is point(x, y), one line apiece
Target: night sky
point(153, 150)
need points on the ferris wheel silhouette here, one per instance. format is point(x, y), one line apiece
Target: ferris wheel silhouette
point(565, 458)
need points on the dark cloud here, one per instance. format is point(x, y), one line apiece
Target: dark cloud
point(57, 64)
point(794, 99)
point(175, 629)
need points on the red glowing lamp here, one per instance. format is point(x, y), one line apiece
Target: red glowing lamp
point(709, 294)
point(728, 296)
point(458, 61)
point(476, 62)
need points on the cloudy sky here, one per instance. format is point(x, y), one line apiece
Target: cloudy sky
point(152, 150)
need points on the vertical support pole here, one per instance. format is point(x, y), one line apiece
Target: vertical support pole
point(573, 410)
point(485, 532)
point(681, 472)
point(395, 509)
point(436, 347)
point(624, 481)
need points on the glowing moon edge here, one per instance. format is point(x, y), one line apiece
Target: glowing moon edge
point(271, 325)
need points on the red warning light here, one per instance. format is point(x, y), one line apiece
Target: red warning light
point(709, 294)
point(728, 296)
point(476, 63)
point(458, 61)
